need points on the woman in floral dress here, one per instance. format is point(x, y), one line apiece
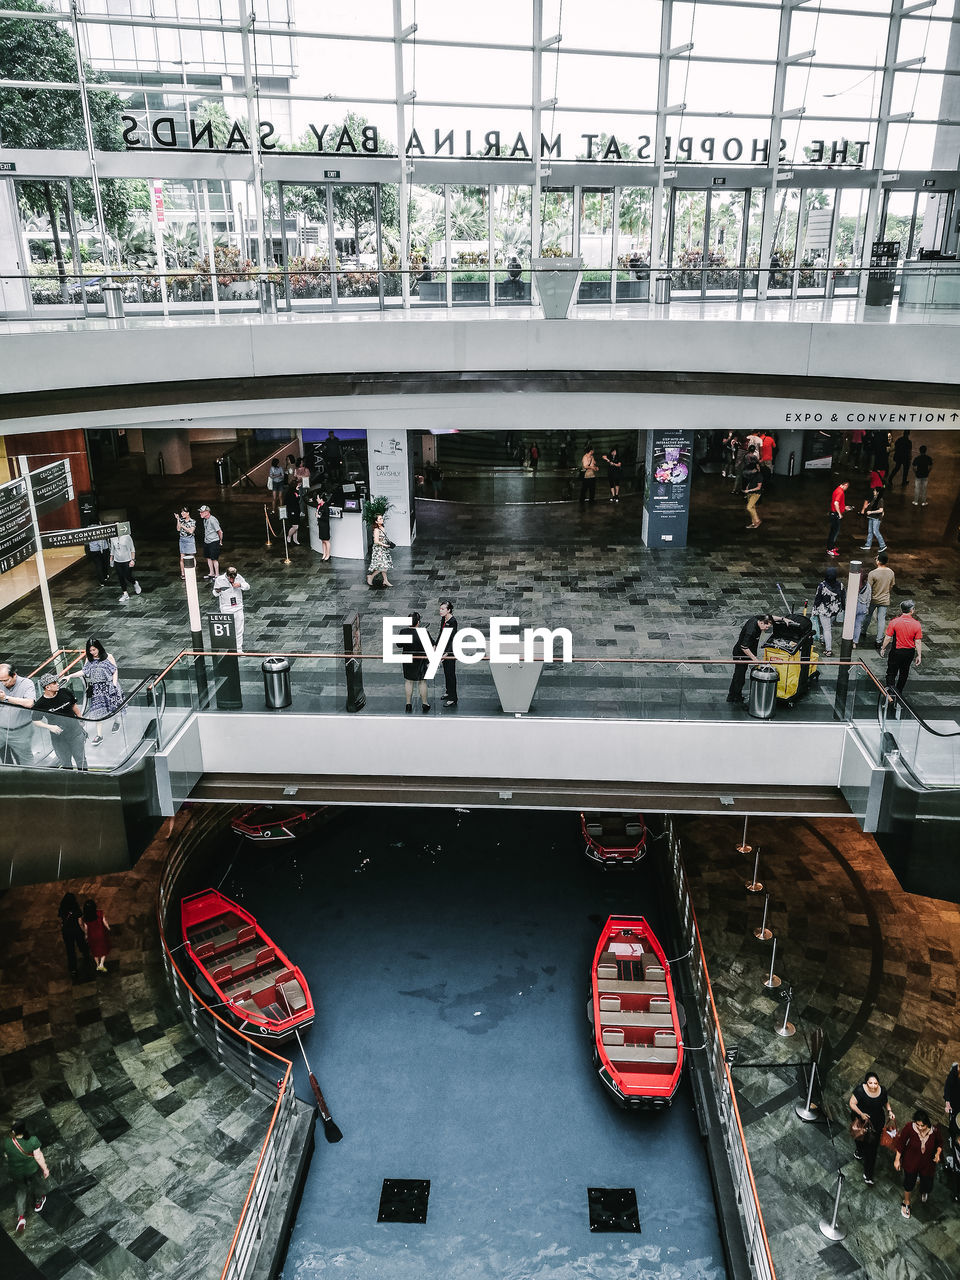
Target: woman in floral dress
point(380, 558)
point(103, 681)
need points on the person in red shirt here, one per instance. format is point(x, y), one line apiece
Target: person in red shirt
point(904, 634)
point(838, 505)
point(767, 446)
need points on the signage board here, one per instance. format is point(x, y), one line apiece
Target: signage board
point(7, 166)
point(52, 486)
point(17, 540)
point(391, 478)
point(226, 666)
point(666, 493)
point(79, 537)
point(331, 173)
point(158, 210)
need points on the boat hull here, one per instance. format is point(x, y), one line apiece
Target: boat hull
point(266, 824)
point(246, 971)
point(638, 1046)
point(613, 839)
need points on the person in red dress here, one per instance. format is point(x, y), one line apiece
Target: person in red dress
point(919, 1147)
point(98, 934)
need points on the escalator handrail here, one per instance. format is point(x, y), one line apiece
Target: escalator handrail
point(894, 696)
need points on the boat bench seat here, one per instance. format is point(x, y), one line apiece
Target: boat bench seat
point(614, 986)
point(647, 1053)
point(264, 978)
point(291, 992)
point(634, 1018)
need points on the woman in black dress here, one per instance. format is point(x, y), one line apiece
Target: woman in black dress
point(415, 667)
point(614, 471)
point(869, 1101)
point(323, 524)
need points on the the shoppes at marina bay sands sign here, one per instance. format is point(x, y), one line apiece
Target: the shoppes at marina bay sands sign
point(165, 133)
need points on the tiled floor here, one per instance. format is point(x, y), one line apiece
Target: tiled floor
point(876, 968)
point(151, 1146)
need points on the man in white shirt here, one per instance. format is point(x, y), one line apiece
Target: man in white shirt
point(229, 588)
point(123, 556)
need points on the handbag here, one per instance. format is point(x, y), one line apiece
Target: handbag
point(888, 1138)
point(860, 1128)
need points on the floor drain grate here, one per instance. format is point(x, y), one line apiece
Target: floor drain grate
point(405, 1200)
point(613, 1209)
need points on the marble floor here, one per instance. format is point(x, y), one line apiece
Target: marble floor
point(151, 1146)
point(585, 568)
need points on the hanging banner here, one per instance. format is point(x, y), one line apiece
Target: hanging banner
point(666, 491)
point(391, 477)
point(80, 537)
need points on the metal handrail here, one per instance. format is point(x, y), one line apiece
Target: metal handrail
point(285, 1092)
point(757, 1241)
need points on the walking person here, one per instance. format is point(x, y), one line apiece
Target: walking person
point(828, 604)
point(212, 541)
point(747, 651)
point(904, 638)
point(951, 1106)
point(103, 682)
point(768, 447)
point(415, 667)
point(187, 535)
point(100, 555)
point(449, 623)
point(589, 469)
point(902, 458)
point(863, 604)
point(229, 588)
point(881, 581)
point(919, 1148)
point(380, 559)
point(614, 472)
point(98, 934)
point(25, 1162)
point(534, 458)
point(275, 481)
point(873, 510)
point(751, 478)
point(291, 500)
point(17, 697)
point(838, 505)
point(921, 470)
point(123, 558)
point(71, 930)
point(68, 738)
point(870, 1102)
point(323, 524)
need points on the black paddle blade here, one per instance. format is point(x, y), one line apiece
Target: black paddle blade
point(331, 1130)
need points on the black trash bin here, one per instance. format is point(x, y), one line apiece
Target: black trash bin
point(276, 683)
point(763, 692)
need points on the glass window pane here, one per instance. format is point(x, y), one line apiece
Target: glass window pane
point(501, 21)
point(837, 37)
point(604, 24)
point(920, 38)
point(723, 31)
point(469, 75)
point(556, 224)
point(619, 83)
point(371, 18)
point(917, 92)
point(845, 91)
point(740, 87)
point(352, 68)
point(911, 146)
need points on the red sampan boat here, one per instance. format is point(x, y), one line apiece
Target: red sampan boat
point(267, 822)
point(638, 1046)
point(249, 973)
point(614, 839)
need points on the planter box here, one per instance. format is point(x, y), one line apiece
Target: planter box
point(512, 291)
point(633, 290)
point(594, 291)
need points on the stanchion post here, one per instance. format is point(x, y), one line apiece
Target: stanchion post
point(788, 1029)
point(772, 981)
point(763, 933)
point(286, 544)
point(266, 517)
point(807, 1111)
point(743, 847)
point(830, 1229)
point(754, 886)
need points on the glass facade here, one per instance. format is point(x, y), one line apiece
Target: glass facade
point(395, 154)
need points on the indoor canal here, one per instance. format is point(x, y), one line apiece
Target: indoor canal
point(448, 953)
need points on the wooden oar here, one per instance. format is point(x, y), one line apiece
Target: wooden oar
point(330, 1129)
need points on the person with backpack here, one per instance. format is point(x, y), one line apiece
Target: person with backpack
point(828, 605)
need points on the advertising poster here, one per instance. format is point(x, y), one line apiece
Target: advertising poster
point(666, 494)
point(391, 477)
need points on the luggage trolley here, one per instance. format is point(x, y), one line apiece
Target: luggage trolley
point(792, 644)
